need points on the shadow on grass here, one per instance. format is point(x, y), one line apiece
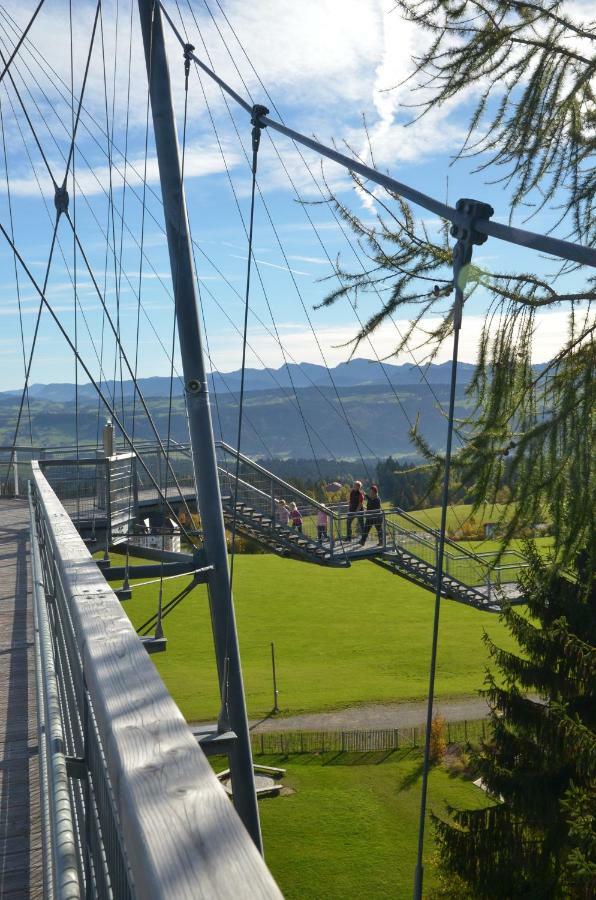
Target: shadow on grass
point(412, 778)
point(339, 758)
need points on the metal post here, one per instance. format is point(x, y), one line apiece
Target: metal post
point(275, 691)
point(199, 415)
point(15, 472)
point(467, 236)
point(108, 438)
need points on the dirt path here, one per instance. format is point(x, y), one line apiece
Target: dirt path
point(386, 715)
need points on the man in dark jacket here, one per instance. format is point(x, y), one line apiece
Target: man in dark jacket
point(374, 516)
point(355, 507)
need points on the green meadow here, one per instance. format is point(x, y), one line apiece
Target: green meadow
point(342, 637)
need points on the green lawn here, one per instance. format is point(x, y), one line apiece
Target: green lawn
point(342, 637)
point(457, 515)
point(350, 828)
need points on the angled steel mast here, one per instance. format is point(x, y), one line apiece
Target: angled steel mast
point(199, 414)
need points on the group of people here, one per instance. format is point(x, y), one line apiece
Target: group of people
point(366, 518)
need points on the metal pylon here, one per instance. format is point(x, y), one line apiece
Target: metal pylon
point(199, 414)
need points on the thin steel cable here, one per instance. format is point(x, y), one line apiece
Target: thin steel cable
point(47, 305)
point(21, 39)
point(297, 289)
point(72, 159)
point(37, 321)
point(111, 217)
point(38, 55)
point(158, 626)
point(126, 361)
point(30, 123)
point(334, 213)
point(256, 135)
point(261, 281)
point(51, 218)
point(58, 214)
point(16, 271)
point(554, 246)
point(140, 286)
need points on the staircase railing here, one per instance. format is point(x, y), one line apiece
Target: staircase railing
point(263, 491)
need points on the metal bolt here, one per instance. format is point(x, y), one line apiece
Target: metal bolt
point(193, 386)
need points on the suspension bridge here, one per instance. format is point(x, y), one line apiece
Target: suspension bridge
point(105, 791)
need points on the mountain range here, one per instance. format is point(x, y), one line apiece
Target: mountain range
point(356, 373)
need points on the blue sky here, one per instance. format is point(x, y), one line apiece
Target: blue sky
point(326, 63)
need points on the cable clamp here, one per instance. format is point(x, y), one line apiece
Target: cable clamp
point(61, 200)
point(188, 51)
point(464, 230)
point(470, 211)
point(257, 111)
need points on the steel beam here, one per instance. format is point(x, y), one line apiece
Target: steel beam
point(199, 413)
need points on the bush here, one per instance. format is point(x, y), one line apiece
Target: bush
point(438, 743)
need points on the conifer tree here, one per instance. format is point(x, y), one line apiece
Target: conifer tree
point(537, 838)
point(532, 67)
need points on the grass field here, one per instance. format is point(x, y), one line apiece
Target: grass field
point(342, 637)
point(350, 828)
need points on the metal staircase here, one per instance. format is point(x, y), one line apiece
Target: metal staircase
point(409, 546)
point(258, 494)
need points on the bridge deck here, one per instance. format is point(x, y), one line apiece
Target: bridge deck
point(20, 829)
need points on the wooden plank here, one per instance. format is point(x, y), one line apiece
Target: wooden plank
point(183, 837)
point(20, 835)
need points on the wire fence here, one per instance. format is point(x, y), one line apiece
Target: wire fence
point(358, 741)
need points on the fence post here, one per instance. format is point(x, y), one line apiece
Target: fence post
point(465, 730)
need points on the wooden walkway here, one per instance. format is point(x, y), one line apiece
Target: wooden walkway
point(20, 832)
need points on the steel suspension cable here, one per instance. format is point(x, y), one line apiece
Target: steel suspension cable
point(51, 219)
point(21, 39)
point(256, 140)
point(274, 335)
point(257, 268)
point(305, 162)
point(60, 201)
point(298, 292)
point(554, 246)
point(45, 302)
point(16, 274)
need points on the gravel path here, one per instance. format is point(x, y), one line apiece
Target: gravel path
point(378, 715)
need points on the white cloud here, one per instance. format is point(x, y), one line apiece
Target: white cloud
point(551, 332)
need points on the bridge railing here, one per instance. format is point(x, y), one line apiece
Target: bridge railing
point(134, 808)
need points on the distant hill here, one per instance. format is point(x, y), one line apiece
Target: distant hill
point(356, 373)
point(273, 425)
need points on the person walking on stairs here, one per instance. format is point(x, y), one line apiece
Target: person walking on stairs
point(296, 517)
point(355, 507)
point(374, 515)
point(283, 513)
point(322, 521)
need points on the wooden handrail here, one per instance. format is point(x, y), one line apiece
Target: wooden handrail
point(182, 835)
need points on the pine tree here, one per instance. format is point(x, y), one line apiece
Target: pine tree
point(536, 839)
point(532, 66)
